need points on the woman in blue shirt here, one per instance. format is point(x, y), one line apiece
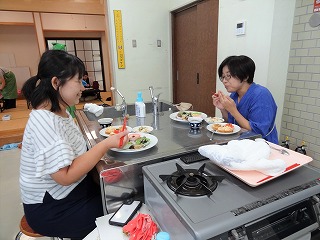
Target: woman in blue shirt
point(250, 105)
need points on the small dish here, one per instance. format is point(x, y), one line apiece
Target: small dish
point(143, 129)
point(210, 120)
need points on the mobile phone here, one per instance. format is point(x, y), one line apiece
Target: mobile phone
point(125, 213)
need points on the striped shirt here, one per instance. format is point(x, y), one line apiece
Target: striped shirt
point(50, 142)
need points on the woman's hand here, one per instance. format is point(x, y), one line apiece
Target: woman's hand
point(216, 100)
point(228, 103)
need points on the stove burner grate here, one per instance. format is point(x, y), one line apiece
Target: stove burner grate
point(192, 182)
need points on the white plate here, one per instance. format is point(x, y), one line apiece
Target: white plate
point(103, 130)
point(146, 129)
point(153, 142)
point(235, 130)
point(210, 120)
point(173, 116)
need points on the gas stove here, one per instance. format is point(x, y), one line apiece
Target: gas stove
point(192, 182)
point(227, 208)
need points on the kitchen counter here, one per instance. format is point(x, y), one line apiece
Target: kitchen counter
point(174, 140)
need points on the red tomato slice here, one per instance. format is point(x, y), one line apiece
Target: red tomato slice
point(229, 125)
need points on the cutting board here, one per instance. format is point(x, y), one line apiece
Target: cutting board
point(254, 178)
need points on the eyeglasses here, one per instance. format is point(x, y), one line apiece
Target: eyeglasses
point(226, 77)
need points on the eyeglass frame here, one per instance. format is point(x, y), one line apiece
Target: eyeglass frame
point(227, 77)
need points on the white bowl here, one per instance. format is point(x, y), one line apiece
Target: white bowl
point(210, 120)
point(195, 119)
point(105, 122)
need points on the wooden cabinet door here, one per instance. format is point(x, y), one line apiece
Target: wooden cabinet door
point(195, 32)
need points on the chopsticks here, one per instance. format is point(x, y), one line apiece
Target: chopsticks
point(123, 128)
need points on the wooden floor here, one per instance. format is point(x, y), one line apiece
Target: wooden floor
point(12, 131)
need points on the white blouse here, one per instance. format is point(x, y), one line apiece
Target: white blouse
point(50, 142)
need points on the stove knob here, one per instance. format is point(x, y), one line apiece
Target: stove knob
point(235, 234)
point(316, 198)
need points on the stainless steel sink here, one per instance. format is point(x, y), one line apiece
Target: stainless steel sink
point(111, 112)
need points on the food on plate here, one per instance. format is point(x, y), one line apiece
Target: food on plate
point(136, 141)
point(227, 128)
point(215, 126)
point(134, 136)
point(214, 120)
point(143, 129)
point(112, 130)
point(184, 115)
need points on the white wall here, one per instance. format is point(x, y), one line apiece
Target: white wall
point(280, 52)
point(146, 21)
point(267, 42)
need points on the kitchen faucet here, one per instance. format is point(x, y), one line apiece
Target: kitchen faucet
point(123, 104)
point(155, 101)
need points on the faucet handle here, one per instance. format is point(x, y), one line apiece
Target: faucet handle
point(151, 92)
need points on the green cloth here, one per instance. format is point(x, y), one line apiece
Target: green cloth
point(58, 46)
point(72, 110)
point(10, 89)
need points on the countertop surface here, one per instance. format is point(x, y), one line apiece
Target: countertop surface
point(120, 174)
point(174, 138)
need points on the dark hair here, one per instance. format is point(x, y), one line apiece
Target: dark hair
point(241, 67)
point(53, 63)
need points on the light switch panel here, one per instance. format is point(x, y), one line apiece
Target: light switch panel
point(134, 43)
point(241, 28)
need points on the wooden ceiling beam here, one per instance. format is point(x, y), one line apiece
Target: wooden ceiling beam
point(94, 7)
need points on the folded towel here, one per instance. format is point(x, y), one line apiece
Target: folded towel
point(93, 108)
point(244, 155)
